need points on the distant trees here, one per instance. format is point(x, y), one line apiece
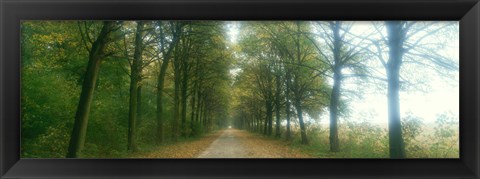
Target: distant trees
point(283, 52)
point(189, 45)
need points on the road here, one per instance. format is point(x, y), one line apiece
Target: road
point(234, 143)
point(228, 145)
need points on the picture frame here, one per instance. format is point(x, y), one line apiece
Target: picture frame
point(467, 12)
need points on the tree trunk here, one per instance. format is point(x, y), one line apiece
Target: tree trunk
point(139, 104)
point(287, 106)
point(202, 112)
point(265, 124)
point(303, 131)
point(252, 122)
point(160, 83)
point(192, 112)
point(277, 106)
point(176, 99)
point(334, 144)
point(134, 79)
point(259, 120)
point(335, 96)
point(97, 52)
point(160, 87)
point(269, 117)
point(184, 89)
point(395, 44)
point(199, 107)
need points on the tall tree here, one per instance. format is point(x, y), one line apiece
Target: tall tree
point(96, 55)
point(135, 76)
point(298, 84)
point(396, 36)
point(166, 49)
point(407, 43)
point(343, 54)
point(184, 71)
point(300, 57)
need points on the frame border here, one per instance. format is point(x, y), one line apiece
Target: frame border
point(465, 11)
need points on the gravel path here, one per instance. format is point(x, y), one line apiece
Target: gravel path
point(234, 143)
point(227, 145)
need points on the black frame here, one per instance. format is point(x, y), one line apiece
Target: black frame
point(466, 11)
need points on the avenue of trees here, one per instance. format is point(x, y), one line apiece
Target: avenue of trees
point(128, 85)
point(113, 88)
point(295, 71)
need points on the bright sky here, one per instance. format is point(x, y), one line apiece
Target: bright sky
point(441, 96)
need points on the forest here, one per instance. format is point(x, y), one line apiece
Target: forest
point(242, 89)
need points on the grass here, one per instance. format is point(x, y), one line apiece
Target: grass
point(370, 141)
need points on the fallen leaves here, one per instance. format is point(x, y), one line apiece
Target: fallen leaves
point(183, 149)
point(256, 146)
point(264, 147)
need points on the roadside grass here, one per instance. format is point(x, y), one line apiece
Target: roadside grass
point(363, 140)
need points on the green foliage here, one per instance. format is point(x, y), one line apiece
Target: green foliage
point(358, 140)
point(363, 139)
point(49, 91)
point(437, 140)
point(52, 143)
point(445, 138)
point(412, 127)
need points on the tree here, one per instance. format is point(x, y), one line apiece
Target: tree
point(299, 82)
point(283, 51)
point(135, 77)
point(396, 37)
point(166, 49)
point(262, 67)
point(406, 43)
point(303, 82)
point(96, 54)
point(278, 91)
point(343, 55)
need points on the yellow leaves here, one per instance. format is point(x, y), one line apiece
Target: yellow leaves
point(264, 147)
point(51, 38)
point(258, 147)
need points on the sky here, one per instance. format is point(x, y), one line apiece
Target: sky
point(441, 95)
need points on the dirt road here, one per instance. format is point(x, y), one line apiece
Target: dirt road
point(228, 143)
point(234, 143)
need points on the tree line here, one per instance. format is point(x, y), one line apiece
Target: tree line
point(180, 67)
point(297, 69)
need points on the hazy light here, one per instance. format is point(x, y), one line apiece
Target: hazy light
point(442, 95)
